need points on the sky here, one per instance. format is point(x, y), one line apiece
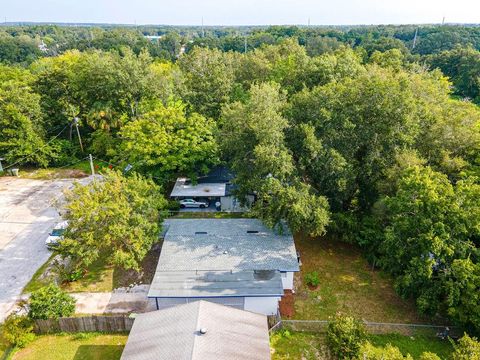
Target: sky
point(242, 12)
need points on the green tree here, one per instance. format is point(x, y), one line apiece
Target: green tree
point(467, 348)
point(21, 123)
point(462, 65)
point(209, 77)
point(165, 141)
point(345, 336)
point(116, 218)
point(50, 302)
point(431, 227)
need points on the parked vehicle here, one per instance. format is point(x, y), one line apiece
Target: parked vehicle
point(56, 235)
point(190, 203)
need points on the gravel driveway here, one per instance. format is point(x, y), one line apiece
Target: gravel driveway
point(27, 214)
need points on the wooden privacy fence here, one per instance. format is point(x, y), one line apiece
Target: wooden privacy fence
point(84, 324)
point(372, 327)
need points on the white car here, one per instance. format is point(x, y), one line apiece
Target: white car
point(190, 203)
point(56, 235)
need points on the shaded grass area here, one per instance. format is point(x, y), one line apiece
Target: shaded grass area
point(347, 285)
point(101, 277)
point(81, 346)
point(414, 345)
point(308, 345)
point(38, 279)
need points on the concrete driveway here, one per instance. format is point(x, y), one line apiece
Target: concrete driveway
point(27, 214)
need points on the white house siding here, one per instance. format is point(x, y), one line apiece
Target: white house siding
point(262, 305)
point(230, 203)
point(287, 280)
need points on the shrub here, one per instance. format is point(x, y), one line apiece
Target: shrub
point(63, 152)
point(312, 279)
point(467, 348)
point(18, 330)
point(369, 352)
point(345, 335)
point(50, 302)
point(429, 356)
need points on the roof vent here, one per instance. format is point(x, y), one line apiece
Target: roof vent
point(252, 231)
point(203, 331)
point(200, 232)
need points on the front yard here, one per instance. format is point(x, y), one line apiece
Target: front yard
point(101, 277)
point(81, 346)
point(347, 284)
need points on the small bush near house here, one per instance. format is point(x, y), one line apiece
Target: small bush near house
point(390, 352)
point(429, 356)
point(18, 330)
point(50, 302)
point(345, 336)
point(312, 279)
point(467, 348)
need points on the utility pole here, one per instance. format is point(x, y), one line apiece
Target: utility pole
point(245, 44)
point(91, 164)
point(78, 132)
point(415, 39)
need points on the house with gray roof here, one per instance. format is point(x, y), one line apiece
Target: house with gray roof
point(199, 330)
point(215, 187)
point(235, 262)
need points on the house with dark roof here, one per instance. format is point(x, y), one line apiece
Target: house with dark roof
point(201, 330)
point(235, 262)
point(214, 187)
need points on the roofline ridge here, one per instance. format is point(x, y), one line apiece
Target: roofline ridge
point(197, 324)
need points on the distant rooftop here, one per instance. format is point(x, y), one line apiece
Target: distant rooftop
point(215, 184)
point(199, 330)
point(184, 188)
point(225, 244)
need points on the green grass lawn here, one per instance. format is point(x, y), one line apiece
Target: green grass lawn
point(347, 284)
point(298, 345)
point(305, 345)
point(82, 346)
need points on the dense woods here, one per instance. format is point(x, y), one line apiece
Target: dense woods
point(370, 134)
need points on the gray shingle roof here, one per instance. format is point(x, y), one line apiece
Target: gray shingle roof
point(215, 284)
point(225, 244)
point(173, 333)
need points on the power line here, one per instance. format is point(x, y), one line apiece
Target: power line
point(19, 161)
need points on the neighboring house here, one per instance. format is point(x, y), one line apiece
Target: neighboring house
point(234, 262)
point(201, 330)
point(216, 186)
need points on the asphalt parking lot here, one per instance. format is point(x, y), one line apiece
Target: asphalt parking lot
point(27, 214)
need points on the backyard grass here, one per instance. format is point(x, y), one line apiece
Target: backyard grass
point(82, 346)
point(414, 345)
point(298, 345)
point(347, 285)
point(305, 345)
